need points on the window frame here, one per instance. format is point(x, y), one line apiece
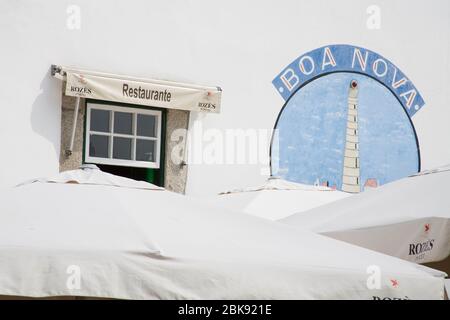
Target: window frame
point(123, 162)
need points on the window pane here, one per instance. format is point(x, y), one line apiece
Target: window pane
point(122, 148)
point(146, 125)
point(123, 122)
point(100, 120)
point(98, 146)
point(145, 150)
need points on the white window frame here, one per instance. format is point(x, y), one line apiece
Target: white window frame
point(121, 162)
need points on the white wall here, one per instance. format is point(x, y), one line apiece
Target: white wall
point(238, 45)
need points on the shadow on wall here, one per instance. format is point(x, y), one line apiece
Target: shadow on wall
point(46, 111)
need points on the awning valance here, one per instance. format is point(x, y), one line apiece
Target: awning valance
point(155, 93)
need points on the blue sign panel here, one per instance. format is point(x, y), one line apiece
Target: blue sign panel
point(352, 59)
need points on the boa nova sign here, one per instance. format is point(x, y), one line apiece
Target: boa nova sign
point(346, 120)
point(346, 58)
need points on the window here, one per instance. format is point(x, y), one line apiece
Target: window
point(123, 136)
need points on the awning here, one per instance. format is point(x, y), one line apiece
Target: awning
point(148, 92)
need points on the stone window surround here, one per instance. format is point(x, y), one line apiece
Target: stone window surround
point(175, 175)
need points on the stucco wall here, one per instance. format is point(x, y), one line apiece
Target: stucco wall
point(240, 46)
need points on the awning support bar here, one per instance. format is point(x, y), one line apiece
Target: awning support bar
point(74, 127)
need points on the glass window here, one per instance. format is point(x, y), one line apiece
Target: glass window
point(99, 146)
point(123, 122)
point(122, 148)
point(100, 120)
point(146, 125)
point(123, 136)
point(145, 150)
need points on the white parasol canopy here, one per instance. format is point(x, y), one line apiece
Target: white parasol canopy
point(95, 177)
point(408, 218)
point(104, 240)
point(277, 198)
